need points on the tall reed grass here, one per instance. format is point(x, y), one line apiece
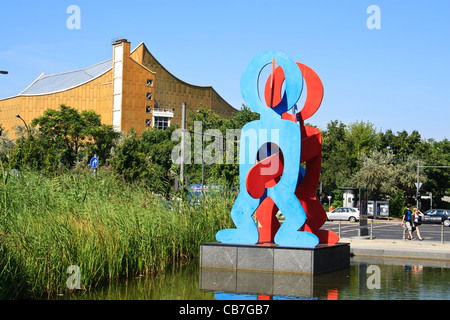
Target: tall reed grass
point(106, 227)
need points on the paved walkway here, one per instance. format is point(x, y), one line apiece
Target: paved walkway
point(394, 248)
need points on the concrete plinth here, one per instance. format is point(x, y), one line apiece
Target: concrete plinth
point(273, 258)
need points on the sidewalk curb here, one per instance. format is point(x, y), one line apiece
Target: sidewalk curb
point(399, 249)
point(403, 254)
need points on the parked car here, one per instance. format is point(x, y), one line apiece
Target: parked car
point(437, 216)
point(343, 213)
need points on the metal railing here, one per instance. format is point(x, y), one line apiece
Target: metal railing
point(405, 230)
point(374, 225)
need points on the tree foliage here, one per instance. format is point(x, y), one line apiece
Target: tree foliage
point(146, 158)
point(353, 155)
point(386, 163)
point(64, 137)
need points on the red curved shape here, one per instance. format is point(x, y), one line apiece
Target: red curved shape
point(264, 175)
point(314, 87)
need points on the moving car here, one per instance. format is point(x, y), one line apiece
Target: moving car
point(344, 213)
point(437, 216)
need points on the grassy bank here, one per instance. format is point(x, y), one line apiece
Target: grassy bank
point(106, 227)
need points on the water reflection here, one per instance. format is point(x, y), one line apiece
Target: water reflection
point(176, 282)
point(229, 284)
point(366, 279)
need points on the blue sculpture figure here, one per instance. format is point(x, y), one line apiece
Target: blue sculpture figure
point(271, 128)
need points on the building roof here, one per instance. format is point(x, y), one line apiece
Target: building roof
point(52, 83)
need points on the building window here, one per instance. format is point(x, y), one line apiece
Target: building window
point(149, 96)
point(148, 122)
point(161, 123)
point(148, 109)
point(149, 83)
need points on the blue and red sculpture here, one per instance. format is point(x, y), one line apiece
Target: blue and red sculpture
point(271, 175)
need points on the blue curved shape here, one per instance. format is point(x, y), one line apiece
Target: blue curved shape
point(246, 231)
point(249, 82)
point(301, 175)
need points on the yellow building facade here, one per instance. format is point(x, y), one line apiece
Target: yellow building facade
point(131, 90)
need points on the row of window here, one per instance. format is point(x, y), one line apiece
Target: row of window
point(149, 96)
point(158, 122)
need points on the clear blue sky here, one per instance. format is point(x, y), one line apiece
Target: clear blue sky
point(396, 77)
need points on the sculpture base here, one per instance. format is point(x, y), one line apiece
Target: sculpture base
point(274, 258)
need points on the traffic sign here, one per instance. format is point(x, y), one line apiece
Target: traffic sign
point(94, 162)
point(418, 185)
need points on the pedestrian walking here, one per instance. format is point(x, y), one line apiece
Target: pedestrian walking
point(407, 220)
point(416, 221)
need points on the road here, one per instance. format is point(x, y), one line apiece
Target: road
point(383, 229)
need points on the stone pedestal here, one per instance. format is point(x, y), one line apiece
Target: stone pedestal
point(273, 258)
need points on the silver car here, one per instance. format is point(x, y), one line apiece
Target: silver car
point(342, 213)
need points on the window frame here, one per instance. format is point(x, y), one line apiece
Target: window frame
point(156, 122)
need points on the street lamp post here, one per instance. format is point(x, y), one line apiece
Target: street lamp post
point(26, 126)
point(203, 147)
point(183, 140)
point(3, 72)
point(418, 185)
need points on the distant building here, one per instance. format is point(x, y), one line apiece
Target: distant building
point(130, 90)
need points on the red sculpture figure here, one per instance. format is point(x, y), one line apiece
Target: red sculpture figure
point(311, 155)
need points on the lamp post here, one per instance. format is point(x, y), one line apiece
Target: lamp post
point(26, 126)
point(3, 72)
point(183, 141)
point(203, 147)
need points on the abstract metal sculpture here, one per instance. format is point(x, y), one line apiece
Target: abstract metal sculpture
point(271, 152)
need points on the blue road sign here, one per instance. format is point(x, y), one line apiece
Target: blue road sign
point(94, 162)
point(195, 190)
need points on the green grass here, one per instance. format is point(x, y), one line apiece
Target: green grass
point(106, 227)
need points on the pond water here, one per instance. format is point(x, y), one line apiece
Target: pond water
point(365, 279)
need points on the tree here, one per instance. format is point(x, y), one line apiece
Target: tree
point(102, 138)
point(402, 144)
point(361, 138)
point(240, 118)
point(406, 176)
point(5, 145)
point(228, 173)
point(67, 129)
point(376, 174)
point(146, 158)
point(63, 137)
point(225, 172)
point(336, 169)
point(128, 159)
point(438, 179)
